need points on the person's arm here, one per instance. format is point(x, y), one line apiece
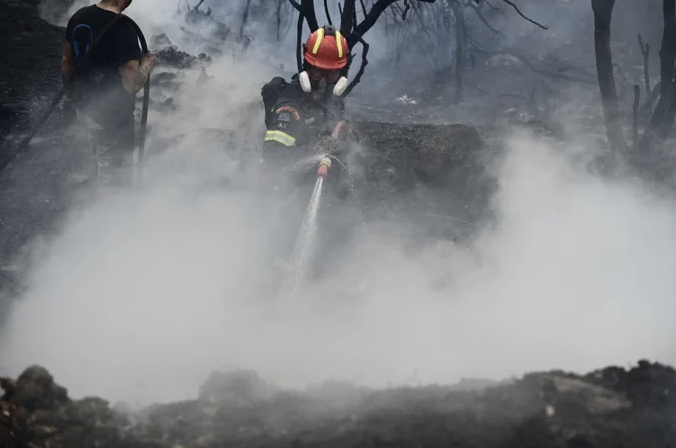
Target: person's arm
point(67, 62)
point(135, 73)
point(285, 129)
point(68, 55)
point(134, 68)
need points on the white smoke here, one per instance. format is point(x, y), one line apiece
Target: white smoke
point(142, 294)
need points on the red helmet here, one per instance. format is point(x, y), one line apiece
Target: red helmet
point(326, 49)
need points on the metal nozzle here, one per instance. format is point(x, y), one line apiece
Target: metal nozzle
point(324, 165)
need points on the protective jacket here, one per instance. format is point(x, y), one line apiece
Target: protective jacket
point(294, 119)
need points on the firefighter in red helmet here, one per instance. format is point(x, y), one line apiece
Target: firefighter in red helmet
point(300, 114)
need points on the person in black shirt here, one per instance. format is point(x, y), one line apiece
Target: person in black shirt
point(104, 91)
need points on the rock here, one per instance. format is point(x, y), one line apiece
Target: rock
point(36, 412)
point(448, 148)
point(238, 387)
point(175, 58)
point(160, 42)
point(35, 389)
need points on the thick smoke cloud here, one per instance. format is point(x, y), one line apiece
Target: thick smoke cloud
point(142, 294)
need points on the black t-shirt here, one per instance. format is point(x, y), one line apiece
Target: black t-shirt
point(98, 87)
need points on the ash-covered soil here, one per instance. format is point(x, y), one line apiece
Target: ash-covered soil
point(610, 407)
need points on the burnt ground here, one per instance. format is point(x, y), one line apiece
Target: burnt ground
point(33, 189)
point(609, 407)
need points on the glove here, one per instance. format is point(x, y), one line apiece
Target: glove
point(328, 145)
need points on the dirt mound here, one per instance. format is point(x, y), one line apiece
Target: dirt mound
point(609, 407)
point(435, 151)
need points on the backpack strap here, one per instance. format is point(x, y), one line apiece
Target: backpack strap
point(79, 52)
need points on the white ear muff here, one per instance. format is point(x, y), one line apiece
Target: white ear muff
point(305, 84)
point(340, 86)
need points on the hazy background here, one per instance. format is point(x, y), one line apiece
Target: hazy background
point(141, 294)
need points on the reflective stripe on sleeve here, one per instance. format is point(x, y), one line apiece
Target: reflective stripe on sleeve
point(280, 137)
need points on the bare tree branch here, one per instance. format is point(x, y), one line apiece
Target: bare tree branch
point(603, 10)
point(645, 51)
point(245, 18)
point(634, 127)
point(326, 11)
point(371, 18)
point(516, 8)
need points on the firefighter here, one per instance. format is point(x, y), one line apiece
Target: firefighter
point(300, 115)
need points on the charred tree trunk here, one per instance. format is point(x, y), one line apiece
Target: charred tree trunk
point(645, 51)
point(662, 118)
point(669, 49)
point(603, 11)
point(279, 20)
point(460, 50)
point(245, 18)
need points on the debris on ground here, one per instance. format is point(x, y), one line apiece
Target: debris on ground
point(608, 407)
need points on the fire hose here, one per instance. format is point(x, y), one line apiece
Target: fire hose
point(146, 95)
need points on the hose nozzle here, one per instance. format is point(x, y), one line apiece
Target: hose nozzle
point(324, 165)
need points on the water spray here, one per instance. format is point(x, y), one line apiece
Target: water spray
point(305, 243)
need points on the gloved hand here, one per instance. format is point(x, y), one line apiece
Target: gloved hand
point(328, 145)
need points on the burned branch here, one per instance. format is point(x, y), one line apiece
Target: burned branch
point(362, 68)
point(306, 8)
point(485, 22)
point(645, 51)
point(654, 95)
point(518, 11)
point(328, 14)
point(245, 18)
point(371, 18)
point(299, 52)
point(661, 120)
point(603, 10)
point(634, 127)
point(460, 50)
point(279, 20)
point(644, 156)
point(347, 22)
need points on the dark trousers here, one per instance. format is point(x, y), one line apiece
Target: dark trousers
point(110, 152)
